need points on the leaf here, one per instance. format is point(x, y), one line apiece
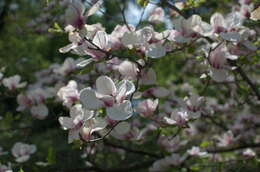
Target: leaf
point(51, 158)
point(206, 144)
point(21, 170)
point(143, 3)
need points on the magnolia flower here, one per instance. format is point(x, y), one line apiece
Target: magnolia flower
point(193, 104)
point(110, 95)
point(255, 15)
point(24, 102)
point(171, 144)
point(156, 16)
point(128, 69)
point(147, 107)
point(249, 153)
point(121, 130)
point(219, 75)
point(178, 117)
point(76, 121)
point(227, 27)
point(219, 56)
point(39, 95)
point(158, 92)
point(5, 168)
point(40, 111)
point(166, 163)
point(101, 41)
point(22, 151)
point(117, 34)
point(75, 14)
point(138, 38)
point(92, 125)
point(185, 30)
point(68, 66)
point(69, 94)
point(79, 45)
point(156, 50)
point(195, 151)
point(226, 139)
point(13, 82)
point(130, 39)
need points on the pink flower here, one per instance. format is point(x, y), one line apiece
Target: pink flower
point(147, 107)
point(13, 82)
point(69, 94)
point(22, 151)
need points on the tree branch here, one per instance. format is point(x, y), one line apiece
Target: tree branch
point(230, 149)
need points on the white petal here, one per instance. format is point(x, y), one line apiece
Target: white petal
point(85, 62)
point(130, 87)
point(123, 128)
point(99, 124)
point(66, 122)
point(156, 51)
point(101, 40)
point(121, 111)
point(22, 158)
point(76, 111)
point(67, 48)
point(73, 135)
point(105, 85)
point(94, 8)
point(89, 100)
point(219, 75)
point(169, 121)
point(231, 36)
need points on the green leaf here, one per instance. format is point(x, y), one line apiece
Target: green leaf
point(21, 170)
point(143, 3)
point(51, 158)
point(206, 144)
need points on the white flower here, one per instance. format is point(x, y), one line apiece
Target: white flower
point(110, 95)
point(166, 163)
point(121, 130)
point(40, 111)
point(92, 125)
point(76, 121)
point(219, 75)
point(193, 105)
point(69, 94)
point(147, 107)
point(75, 13)
point(226, 139)
point(5, 168)
point(128, 69)
point(22, 151)
point(178, 117)
point(195, 151)
point(156, 50)
point(249, 153)
point(157, 15)
point(13, 82)
point(24, 101)
point(218, 58)
point(68, 66)
point(255, 15)
point(185, 30)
